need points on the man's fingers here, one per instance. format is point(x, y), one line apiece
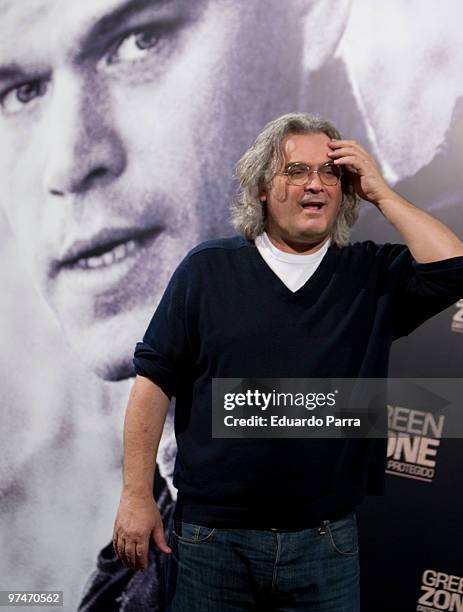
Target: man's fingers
point(160, 540)
point(337, 144)
point(115, 543)
point(345, 149)
point(354, 150)
point(130, 553)
point(121, 549)
point(352, 163)
point(350, 152)
point(141, 556)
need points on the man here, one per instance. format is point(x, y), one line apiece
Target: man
point(271, 522)
point(106, 185)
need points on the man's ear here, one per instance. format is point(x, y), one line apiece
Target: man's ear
point(324, 22)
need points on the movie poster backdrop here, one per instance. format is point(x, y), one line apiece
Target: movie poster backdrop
point(120, 124)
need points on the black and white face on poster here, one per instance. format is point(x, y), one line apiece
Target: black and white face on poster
point(120, 125)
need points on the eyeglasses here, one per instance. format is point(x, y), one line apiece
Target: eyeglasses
point(300, 174)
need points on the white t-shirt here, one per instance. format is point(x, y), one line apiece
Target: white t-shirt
point(293, 270)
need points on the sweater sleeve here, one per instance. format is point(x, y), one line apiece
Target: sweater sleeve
point(422, 290)
point(163, 354)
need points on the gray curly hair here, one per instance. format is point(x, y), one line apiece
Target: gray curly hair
point(258, 165)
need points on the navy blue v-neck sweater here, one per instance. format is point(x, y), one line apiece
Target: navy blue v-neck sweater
point(225, 314)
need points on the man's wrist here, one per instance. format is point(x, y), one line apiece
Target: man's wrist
point(390, 199)
point(140, 491)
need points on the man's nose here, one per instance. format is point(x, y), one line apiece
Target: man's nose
point(83, 149)
point(314, 183)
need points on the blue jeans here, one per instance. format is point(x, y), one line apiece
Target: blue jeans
point(219, 570)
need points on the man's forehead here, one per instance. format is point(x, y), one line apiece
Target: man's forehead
point(36, 12)
point(21, 13)
point(31, 26)
point(303, 146)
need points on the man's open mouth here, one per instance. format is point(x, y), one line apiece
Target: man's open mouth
point(105, 249)
point(99, 258)
point(316, 205)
